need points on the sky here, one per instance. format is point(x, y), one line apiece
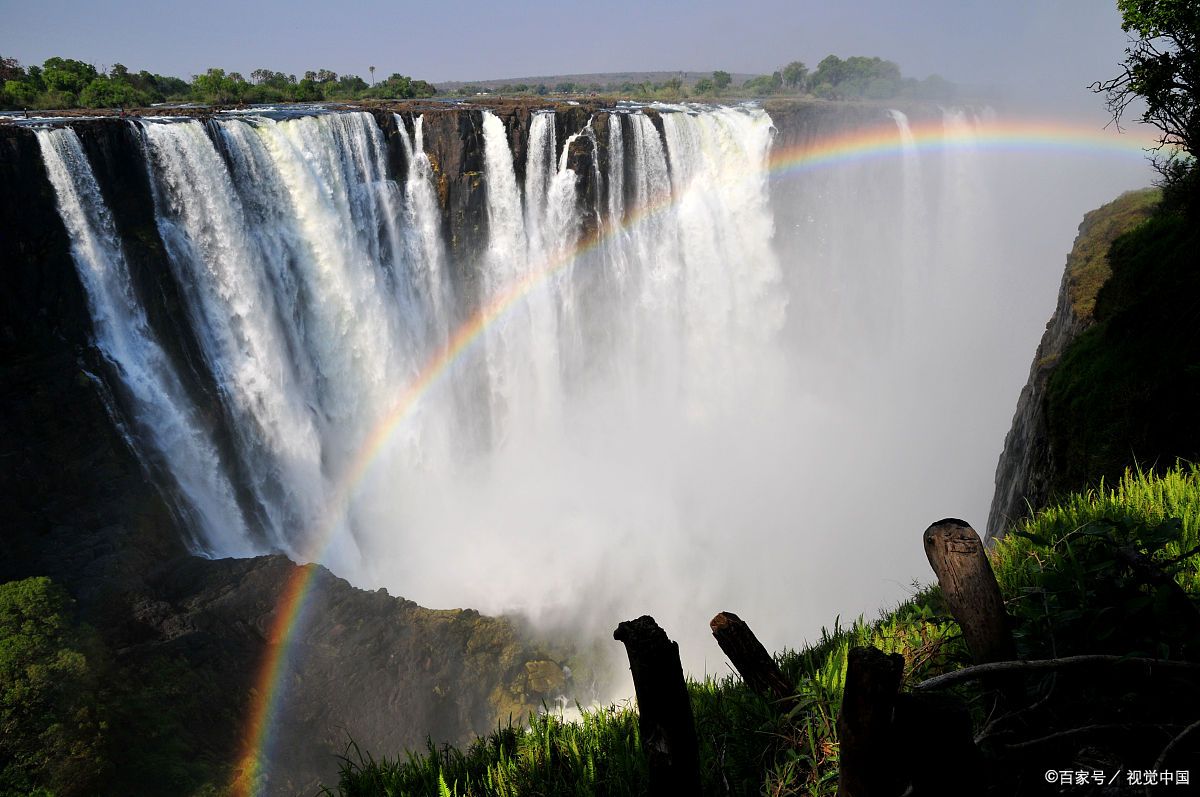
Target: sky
point(1048, 50)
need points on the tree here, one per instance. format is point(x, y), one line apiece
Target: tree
point(794, 74)
point(218, 88)
point(721, 80)
point(108, 92)
point(371, 69)
point(704, 85)
point(67, 75)
point(764, 84)
point(1162, 67)
point(50, 732)
point(10, 69)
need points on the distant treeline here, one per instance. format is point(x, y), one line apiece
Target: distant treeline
point(67, 83)
point(856, 77)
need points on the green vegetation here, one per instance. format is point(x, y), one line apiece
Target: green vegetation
point(52, 733)
point(1087, 263)
point(1161, 77)
point(75, 721)
point(856, 77)
point(1125, 391)
point(62, 83)
point(744, 741)
point(67, 83)
point(1073, 590)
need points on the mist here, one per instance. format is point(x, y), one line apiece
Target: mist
point(786, 476)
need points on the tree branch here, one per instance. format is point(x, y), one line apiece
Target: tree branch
point(1126, 726)
point(1162, 758)
point(1045, 665)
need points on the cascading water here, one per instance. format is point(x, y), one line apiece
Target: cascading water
point(687, 383)
point(169, 426)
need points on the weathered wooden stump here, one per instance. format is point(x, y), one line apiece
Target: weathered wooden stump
point(866, 736)
point(665, 719)
point(965, 575)
point(752, 661)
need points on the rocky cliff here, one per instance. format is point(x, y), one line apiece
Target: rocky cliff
point(1025, 475)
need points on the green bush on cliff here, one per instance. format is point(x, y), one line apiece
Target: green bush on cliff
point(1069, 590)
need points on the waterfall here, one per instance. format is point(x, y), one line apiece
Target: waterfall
point(168, 425)
point(914, 255)
point(574, 387)
point(427, 256)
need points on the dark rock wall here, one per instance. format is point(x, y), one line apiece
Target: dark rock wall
point(1025, 471)
point(78, 506)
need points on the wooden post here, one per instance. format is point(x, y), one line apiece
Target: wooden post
point(664, 709)
point(752, 661)
point(957, 557)
point(866, 737)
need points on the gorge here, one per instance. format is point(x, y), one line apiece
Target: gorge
point(572, 363)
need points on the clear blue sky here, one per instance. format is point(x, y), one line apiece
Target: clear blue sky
point(1052, 48)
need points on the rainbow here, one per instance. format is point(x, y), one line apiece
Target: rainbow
point(870, 143)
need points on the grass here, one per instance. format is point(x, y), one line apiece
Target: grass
point(1066, 592)
point(1087, 264)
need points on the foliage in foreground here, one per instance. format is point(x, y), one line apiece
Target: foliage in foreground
point(1069, 587)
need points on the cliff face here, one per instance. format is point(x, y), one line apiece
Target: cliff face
point(1025, 475)
point(82, 510)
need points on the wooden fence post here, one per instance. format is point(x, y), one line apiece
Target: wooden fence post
point(664, 709)
point(965, 575)
point(866, 737)
point(752, 661)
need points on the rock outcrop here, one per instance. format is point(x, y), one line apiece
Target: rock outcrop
point(1025, 473)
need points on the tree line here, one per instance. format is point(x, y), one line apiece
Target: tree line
point(69, 83)
point(856, 77)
